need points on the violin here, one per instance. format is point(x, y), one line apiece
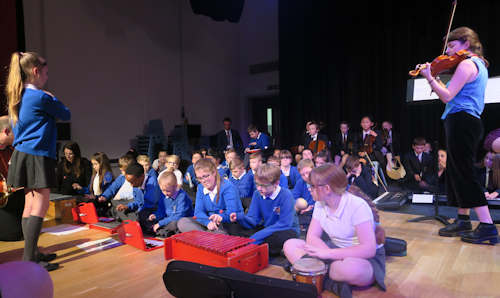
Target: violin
point(443, 63)
point(317, 146)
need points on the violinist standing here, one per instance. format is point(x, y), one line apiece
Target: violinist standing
point(464, 99)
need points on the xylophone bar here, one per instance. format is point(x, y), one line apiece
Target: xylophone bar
point(217, 250)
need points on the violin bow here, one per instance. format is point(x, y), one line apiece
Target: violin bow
point(449, 25)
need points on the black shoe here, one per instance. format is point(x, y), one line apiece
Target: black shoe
point(49, 266)
point(483, 233)
point(457, 228)
point(46, 257)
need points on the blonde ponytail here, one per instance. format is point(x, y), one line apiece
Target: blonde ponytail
point(14, 87)
point(20, 71)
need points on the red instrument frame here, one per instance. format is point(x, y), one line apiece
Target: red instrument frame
point(217, 250)
point(130, 233)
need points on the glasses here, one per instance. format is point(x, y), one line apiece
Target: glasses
point(286, 157)
point(316, 186)
point(263, 185)
point(204, 177)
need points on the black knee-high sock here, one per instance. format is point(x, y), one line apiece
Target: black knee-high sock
point(33, 228)
point(24, 224)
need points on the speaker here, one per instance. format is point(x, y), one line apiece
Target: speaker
point(219, 10)
point(187, 279)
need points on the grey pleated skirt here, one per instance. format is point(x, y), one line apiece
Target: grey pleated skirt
point(31, 171)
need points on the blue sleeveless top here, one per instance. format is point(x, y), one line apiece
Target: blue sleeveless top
point(471, 98)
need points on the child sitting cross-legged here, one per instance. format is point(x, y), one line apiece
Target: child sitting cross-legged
point(242, 180)
point(173, 205)
point(129, 209)
point(271, 217)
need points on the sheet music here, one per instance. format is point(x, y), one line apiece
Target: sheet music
point(153, 242)
point(422, 198)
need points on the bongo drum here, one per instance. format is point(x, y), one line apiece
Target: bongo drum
point(310, 271)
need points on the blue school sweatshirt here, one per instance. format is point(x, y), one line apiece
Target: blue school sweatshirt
point(35, 132)
point(294, 176)
point(173, 209)
point(106, 182)
point(223, 172)
point(301, 190)
point(229, 202)
point(151, 190)
point(275, 215)
point(244, 184)
point(191, 172)
point(113, 189)
point(262, 141)
point(138, 203)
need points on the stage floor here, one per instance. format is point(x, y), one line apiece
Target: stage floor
point(435, 266)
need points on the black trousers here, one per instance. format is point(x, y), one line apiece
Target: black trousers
point(275, 240)
point(463, 133)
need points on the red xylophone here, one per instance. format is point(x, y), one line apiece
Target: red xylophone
point(217, 250)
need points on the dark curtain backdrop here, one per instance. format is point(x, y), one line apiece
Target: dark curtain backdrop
point(12, 34)
point(340, 60)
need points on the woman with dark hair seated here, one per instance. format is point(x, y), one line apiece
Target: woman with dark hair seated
point(73, 171)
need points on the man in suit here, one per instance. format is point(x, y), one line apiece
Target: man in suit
point(420, 168)
point(229, 138)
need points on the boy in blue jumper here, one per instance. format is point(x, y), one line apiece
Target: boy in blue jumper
point(134, 174)
point(303, 190)
point(112, 191)
point(258, 140)
point(290, 172)
point(242, 180)
point(174, 204)
point(215, 200)
point(271, 217)
point(275, 161)
point(190, 177)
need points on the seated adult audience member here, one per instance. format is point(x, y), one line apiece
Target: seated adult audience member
point(11, 209)
point(173, 205)
point(229, 138)
point(216, 199)
point(420, 168)
point(271, 217)
point(73, 171)
point(351, 251)
point(360, 175)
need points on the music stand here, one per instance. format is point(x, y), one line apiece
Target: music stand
point(441, 218)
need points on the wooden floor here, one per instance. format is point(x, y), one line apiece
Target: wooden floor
point(435, 266)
